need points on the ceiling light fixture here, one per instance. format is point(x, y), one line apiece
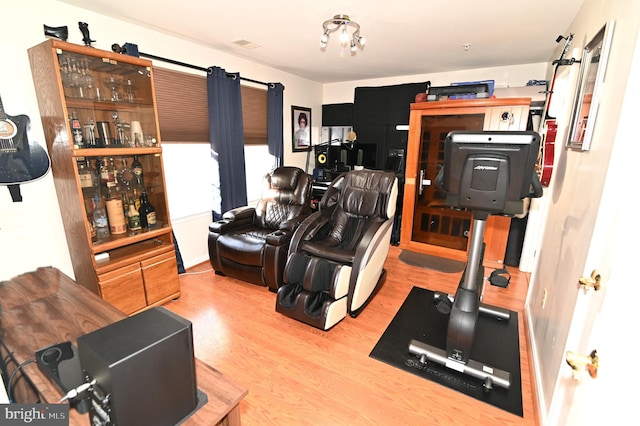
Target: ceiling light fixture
point(345, 23)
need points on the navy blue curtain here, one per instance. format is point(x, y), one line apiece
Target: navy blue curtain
point(181, 269)
point(275, 120)
point(227, 138)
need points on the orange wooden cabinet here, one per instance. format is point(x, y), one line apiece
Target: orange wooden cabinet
point(137, 285)
point(428, 225)
point(124, 288)
point(98, 108)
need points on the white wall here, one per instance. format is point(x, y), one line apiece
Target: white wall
point(511, 76)
point(31, 232)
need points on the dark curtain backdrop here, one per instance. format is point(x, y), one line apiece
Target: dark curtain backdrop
point(275, 120)
point(227, 137)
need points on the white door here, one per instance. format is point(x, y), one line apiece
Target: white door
point(611, 314)
point(591, 225)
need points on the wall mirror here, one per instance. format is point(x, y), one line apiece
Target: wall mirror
point(593, 66)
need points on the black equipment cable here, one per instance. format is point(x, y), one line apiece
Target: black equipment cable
point(13, 373)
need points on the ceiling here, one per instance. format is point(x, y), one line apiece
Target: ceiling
point(405, 37)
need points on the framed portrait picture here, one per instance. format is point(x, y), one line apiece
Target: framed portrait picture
point(301, 128)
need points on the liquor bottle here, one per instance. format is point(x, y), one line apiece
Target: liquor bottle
point(125, 175)
point(92, 227)
point(117, 222)
point(133, 217)
point(84, 173)
point(135, 190)
point(136, 168)
point(100, 220)
point(95, 176)
point(76, 130)
point(125, 204)
point(147, 212)
point(100, 185)
point(86, 181)
point(108, 174)
point(89, 205)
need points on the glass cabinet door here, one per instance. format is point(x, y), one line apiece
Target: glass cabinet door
point(114, 139)
point(109, 103)
point(113, 183)
point(434, 222)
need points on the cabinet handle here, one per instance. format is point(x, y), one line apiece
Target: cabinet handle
point(422, 182)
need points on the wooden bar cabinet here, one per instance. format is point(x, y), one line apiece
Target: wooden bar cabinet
point(98, 108)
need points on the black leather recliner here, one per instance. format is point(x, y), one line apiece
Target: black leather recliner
point(251, 244)
point(337, 254)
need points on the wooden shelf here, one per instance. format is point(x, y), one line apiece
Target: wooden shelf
point(106, 105)
point(117, 241)
point(114, 152)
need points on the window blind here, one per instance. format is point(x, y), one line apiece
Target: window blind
point(254, 115)
point(183, 110)
point(182, 105)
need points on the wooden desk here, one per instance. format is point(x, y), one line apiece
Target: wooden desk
point(45, 307)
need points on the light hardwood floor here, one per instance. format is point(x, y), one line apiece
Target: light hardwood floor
point(299, 375)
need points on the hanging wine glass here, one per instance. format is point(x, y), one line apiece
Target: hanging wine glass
point(88, 81)
point(129, 91)
point(64, 71)
point(75, 79)
point(114, 86)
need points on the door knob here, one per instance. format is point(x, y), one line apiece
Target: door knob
point(591, 282)
point(579, 363)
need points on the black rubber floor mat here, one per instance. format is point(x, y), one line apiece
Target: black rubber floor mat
point(435, 263)
point(496, 344)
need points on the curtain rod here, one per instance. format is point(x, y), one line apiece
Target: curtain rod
point(195, 67)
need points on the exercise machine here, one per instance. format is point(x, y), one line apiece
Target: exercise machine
point(486, 172)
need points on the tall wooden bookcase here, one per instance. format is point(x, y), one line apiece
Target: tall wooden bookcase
point(111, 95)
point(428, 224)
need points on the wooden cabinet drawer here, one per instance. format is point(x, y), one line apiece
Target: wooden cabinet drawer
point(160, 275)
point(124, 288)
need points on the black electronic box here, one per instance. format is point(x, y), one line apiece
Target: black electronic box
point(144, 370)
